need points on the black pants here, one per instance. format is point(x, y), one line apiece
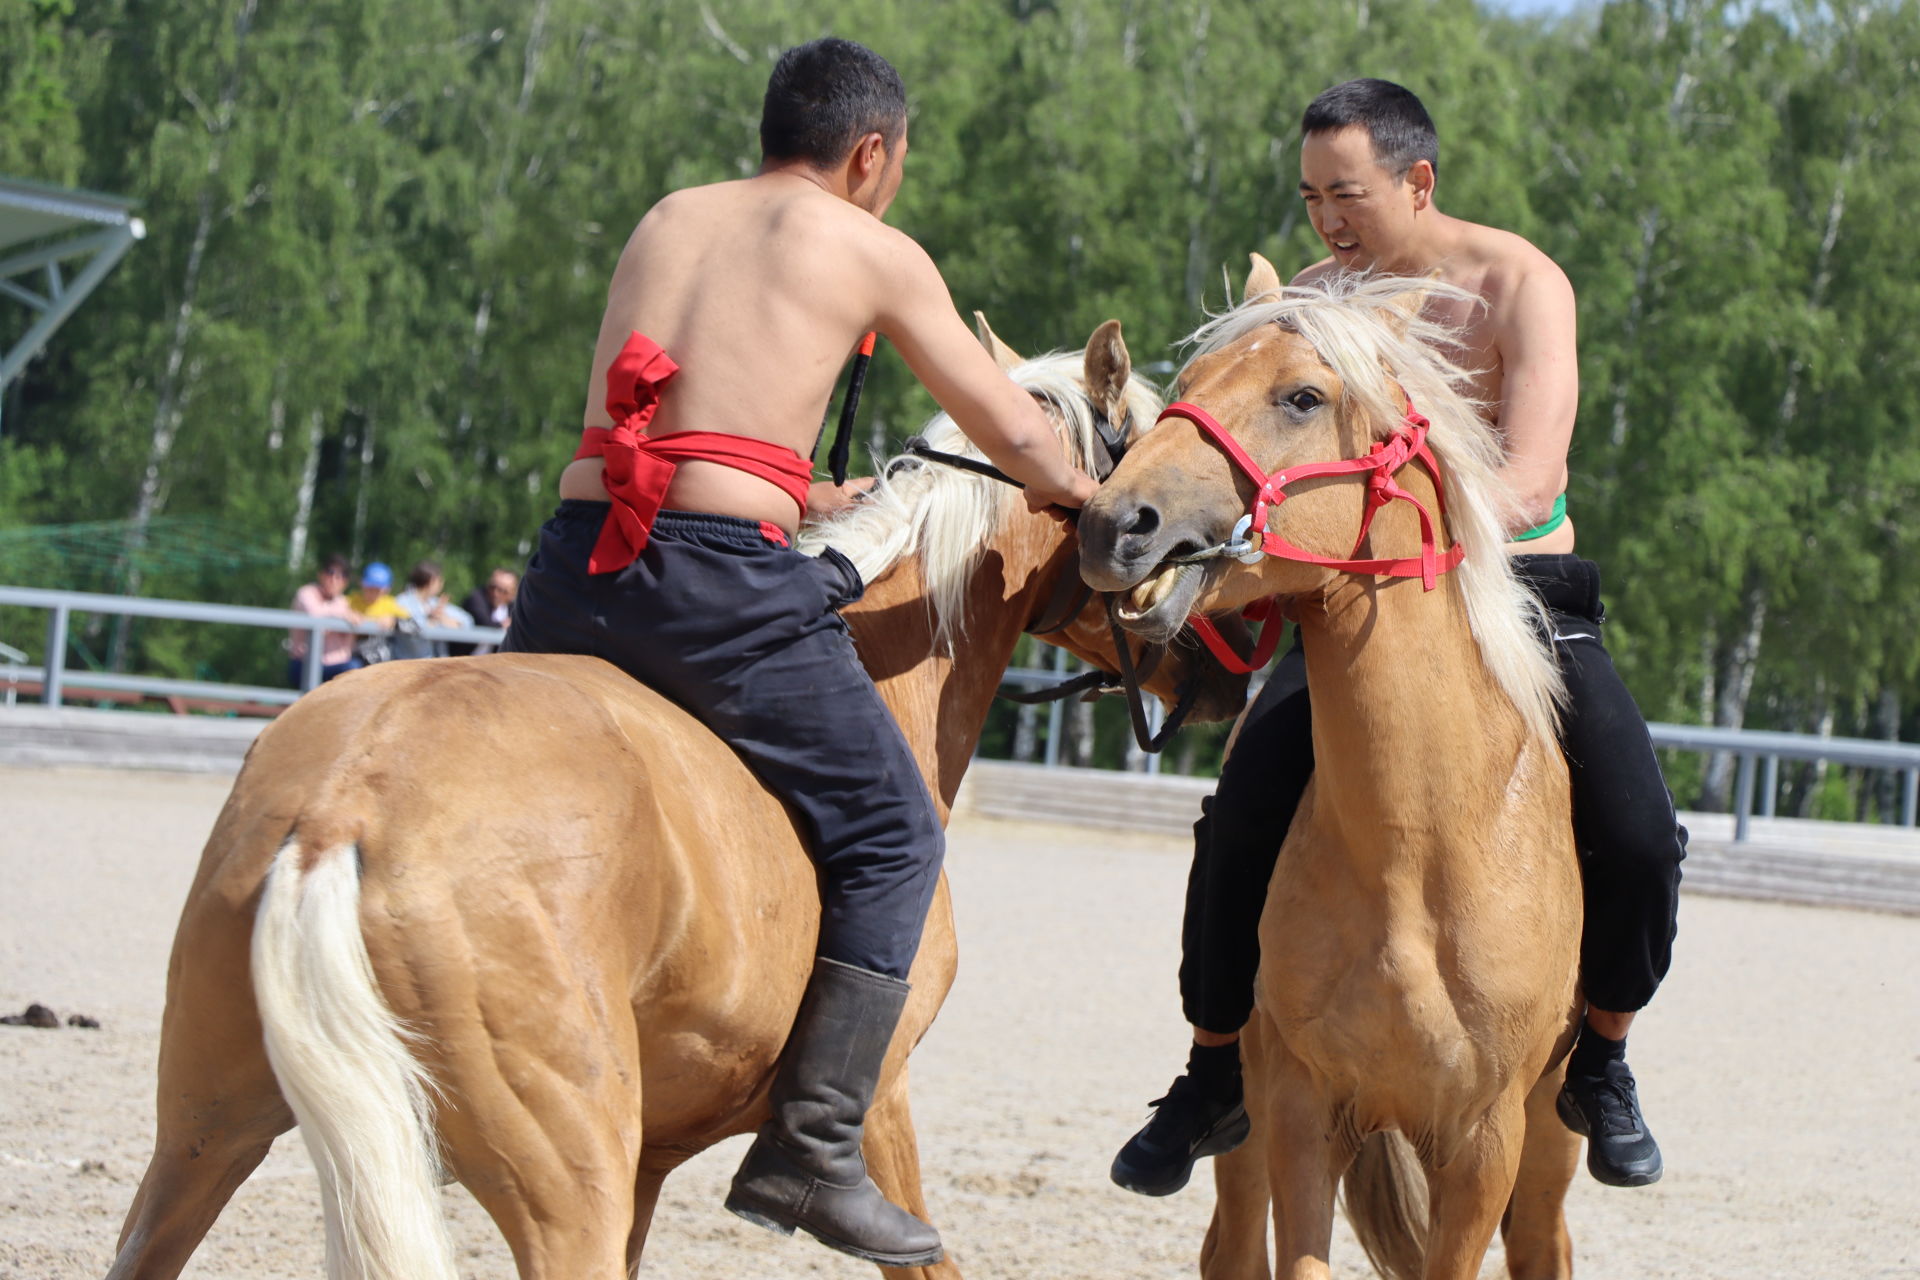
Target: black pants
point(1630, 843)
point(746, 635)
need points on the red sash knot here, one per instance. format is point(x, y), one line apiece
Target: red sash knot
point(636, 478)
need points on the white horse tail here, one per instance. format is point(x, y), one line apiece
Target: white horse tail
point(342, 1059)
point(1386, 1195)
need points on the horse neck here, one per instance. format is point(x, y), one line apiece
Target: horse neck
point(1415, 741)
point(939, 699)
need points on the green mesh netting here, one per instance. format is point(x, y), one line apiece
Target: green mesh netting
point(103, 555)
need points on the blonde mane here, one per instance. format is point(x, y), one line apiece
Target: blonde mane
point(947, 517)
point(1359, 325)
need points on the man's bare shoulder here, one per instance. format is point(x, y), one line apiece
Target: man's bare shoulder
point(1506, 264)
point(1321, 271)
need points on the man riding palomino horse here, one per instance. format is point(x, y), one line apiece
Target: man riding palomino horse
point(1368, 164)
point(730, 313)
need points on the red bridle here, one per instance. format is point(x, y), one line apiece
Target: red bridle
point(1380, 464)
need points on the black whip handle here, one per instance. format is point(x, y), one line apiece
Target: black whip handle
point(849, 408)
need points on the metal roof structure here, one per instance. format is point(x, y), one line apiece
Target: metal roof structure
point(41, 228)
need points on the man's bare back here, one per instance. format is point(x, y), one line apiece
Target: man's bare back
point(759, 290)
point(1518, 340)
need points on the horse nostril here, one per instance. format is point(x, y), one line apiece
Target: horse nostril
point(1145, 523)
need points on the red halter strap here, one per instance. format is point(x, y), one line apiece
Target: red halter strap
point(1380, 463)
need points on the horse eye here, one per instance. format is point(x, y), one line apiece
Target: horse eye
point(1304, 401)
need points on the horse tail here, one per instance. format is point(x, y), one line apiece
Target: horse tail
point(342, 1059)
point(1385, 1191)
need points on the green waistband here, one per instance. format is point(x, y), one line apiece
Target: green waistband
point(1547, 526)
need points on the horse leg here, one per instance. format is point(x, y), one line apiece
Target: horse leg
point(1304, 1158)
point(892, 1154)
point(1236, 1244)
point(1535, 1228)
point(1470, 1192)
point(655, 1164)
point(541, 1119)
point(219, 1108)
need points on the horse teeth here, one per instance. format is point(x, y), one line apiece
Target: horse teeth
point(1155, 589)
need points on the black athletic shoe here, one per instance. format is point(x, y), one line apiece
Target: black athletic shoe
point(1605, 1110)
point(1192, 1121)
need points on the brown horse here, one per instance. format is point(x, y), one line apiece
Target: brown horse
point(1418, 976)
point(522, 922)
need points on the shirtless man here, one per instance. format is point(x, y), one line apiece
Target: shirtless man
point(670, 557)
point(1368, 161)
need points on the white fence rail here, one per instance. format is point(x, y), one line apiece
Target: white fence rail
point(1756, 785)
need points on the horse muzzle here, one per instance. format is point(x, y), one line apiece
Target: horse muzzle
point(1125, 544)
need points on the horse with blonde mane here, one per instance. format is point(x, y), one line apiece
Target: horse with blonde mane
point(522, 922)
point(1417, 990)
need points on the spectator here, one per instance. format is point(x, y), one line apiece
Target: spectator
point(424, 607)
point(324, 597)
point(489, 606)
point(376, 604)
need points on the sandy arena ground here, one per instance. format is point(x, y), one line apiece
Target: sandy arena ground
point(1781, 1068)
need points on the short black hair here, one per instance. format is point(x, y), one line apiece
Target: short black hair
point(333, 564)
point(1393, 117)
point(826, 95)
point(423, 573)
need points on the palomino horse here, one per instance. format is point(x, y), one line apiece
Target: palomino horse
point(524, 922)
point(1418, 977)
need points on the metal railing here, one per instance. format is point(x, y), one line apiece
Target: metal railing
point(54, 675)
point(1758, 753)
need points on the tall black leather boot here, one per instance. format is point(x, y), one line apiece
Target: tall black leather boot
point(805, 1169)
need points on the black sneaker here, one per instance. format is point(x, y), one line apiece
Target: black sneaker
point(1605, 1110)
point(1192, 1121)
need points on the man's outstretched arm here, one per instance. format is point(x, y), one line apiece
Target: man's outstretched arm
point(917, 315)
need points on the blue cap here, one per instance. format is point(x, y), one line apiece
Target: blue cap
point(376, 575)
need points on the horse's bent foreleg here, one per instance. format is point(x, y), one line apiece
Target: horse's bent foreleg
point(1535, 1228)
point(1236, 1244)
point(219, 1108)
point(893, 1162)
point(1470, 1192)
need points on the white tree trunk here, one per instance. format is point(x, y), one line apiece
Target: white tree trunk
point(1736, 686)
point(177, 375)
point(303, 500)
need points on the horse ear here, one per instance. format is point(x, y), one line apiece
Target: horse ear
point(1261, 280)
point(1108, 368)
point(1406, 306)
point(1003, 355)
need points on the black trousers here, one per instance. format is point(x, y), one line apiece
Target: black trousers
point(1630, 843)
point(747, 636)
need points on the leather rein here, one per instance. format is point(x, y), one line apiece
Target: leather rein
point(1071, 595)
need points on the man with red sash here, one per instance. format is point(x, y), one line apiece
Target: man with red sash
point(730, 314)
point(1368, 162)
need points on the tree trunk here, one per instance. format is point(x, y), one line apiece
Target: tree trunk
point(177, 375)
point(1203, 171)
point(1886, 782)
point(1817, 769)
point(303, 500)
point(361, 497)
point(1079, 734)
point(509, 154)
point(1736, 685)
point(1026, 734)
point(1642, 276)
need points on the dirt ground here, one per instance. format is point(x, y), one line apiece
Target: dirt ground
point(1780, 1068)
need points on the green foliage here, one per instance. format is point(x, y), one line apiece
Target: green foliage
point(380, 232)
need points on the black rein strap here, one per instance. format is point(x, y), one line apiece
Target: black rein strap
point(1070, 597)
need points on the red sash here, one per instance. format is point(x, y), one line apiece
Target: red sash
point(639, 467)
